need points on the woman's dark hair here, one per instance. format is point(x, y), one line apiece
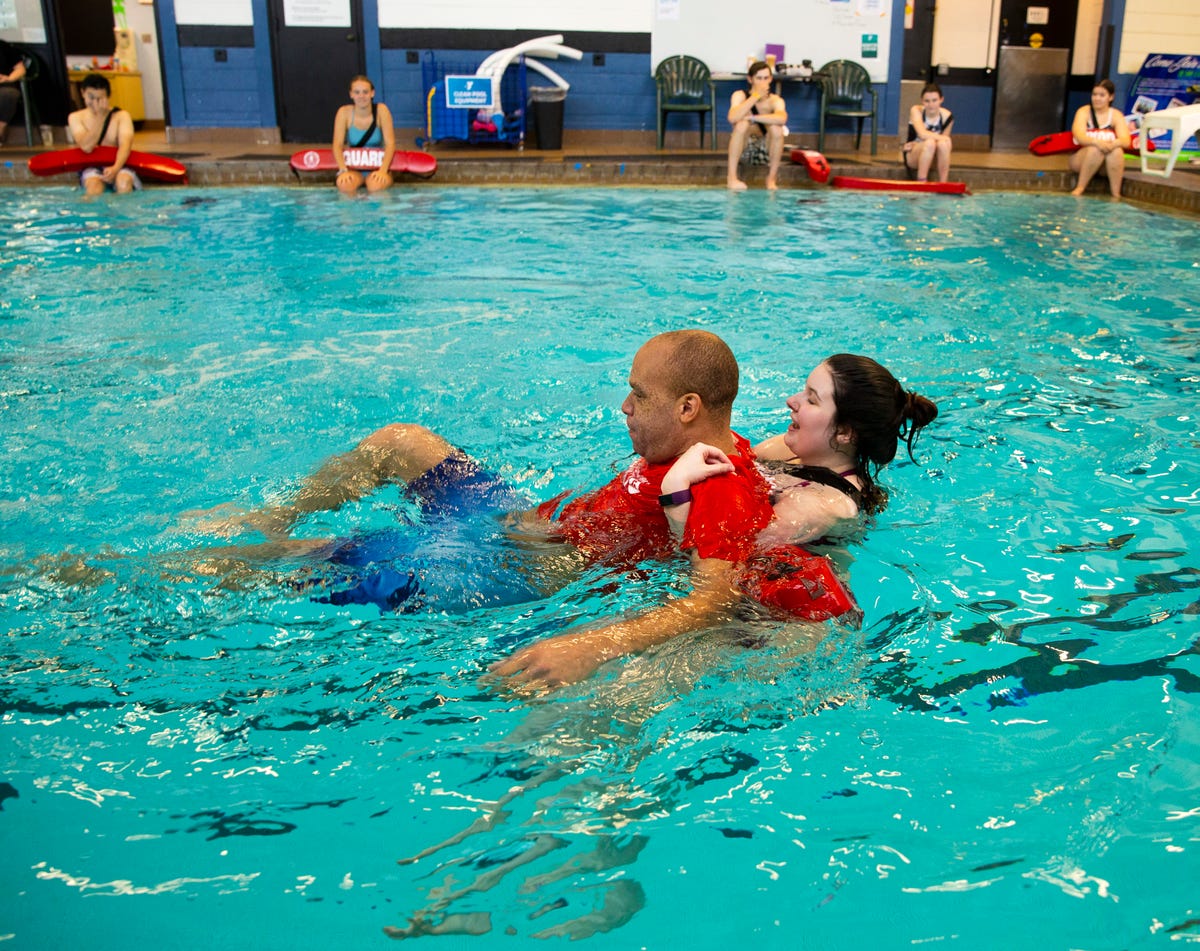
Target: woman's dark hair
point(870, 402)
point(933, 88)
point(1107, 86)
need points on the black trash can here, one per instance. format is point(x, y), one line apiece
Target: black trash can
point(547, 103)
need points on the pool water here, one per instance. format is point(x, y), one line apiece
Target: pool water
point(1006, 750)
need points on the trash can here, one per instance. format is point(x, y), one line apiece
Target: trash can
point(546, 104)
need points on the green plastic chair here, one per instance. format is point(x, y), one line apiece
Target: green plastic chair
point(844, 85)
point(685, 85)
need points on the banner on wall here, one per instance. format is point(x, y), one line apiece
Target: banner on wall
point(1165, 80)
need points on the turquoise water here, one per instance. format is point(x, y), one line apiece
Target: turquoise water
point(1005, 751)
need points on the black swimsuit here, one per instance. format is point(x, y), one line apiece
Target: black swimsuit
point(819, 474)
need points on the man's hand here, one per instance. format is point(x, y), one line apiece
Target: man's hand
point(556, 661)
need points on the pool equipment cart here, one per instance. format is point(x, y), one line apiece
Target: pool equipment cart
point(506, 69)
point(155, 168)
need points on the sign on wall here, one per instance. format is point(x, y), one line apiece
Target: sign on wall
point(316, 12)
point(213, 13)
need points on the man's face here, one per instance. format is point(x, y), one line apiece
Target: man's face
point(96, 100)
point(651, 409)
point(761, 82)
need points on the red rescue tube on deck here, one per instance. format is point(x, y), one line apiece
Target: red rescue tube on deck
point(1062, 143)
point(900, 185)
point(155, 168)
point(814, 161)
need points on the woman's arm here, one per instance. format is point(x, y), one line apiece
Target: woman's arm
point(383, 116)
point(340, 121)
point(805, 513)
point(774, 449)
point(1121, 128)
point(700, 462)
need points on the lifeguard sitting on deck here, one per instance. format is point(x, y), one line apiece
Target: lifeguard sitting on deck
point(1102, 135)
point(363, 125)
point(759, 119)
point(96, 124)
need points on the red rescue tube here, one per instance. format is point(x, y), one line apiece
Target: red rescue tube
point(899, 185)
point(156, 168)
point(1062, 143)
point(796, 581)
point(321, 160)
point(814, 161)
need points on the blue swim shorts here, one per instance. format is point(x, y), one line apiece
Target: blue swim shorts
point(460, 486)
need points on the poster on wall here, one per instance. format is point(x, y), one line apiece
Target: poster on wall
point(1165, 80)
point(213, 13)
point(316, 12)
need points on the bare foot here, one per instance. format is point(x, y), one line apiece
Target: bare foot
point(1077, 192)
point(736, 185)
point(772, 185)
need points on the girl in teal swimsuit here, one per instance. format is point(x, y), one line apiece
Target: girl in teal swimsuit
point(364, 124)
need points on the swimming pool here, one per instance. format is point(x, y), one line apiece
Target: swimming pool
point(1007, 749)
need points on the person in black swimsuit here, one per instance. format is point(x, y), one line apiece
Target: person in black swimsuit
point(759, 125)
point(928, 142)
point(845, 426)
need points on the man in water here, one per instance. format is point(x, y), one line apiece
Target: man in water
point(682, 387)
point(96, 124)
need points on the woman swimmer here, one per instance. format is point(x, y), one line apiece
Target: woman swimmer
point(1102, 135)
point(845, 427)
point(364, 124)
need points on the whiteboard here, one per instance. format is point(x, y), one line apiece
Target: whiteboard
point(719, 33)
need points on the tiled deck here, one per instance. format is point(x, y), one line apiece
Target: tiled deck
point(597, 163)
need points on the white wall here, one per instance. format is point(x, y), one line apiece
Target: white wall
point(965, 33)
point(1158, 26)
point(1088, 21)
point(140, 18)
point(616, 16)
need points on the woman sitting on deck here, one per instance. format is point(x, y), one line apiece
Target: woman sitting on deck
point(364, 124)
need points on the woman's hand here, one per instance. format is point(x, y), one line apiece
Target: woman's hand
point(700, 462)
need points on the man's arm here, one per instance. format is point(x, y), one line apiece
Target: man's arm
point(84, 137)
point(570, 657)
point(124, 143)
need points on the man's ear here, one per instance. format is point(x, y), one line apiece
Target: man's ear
point(689, 407)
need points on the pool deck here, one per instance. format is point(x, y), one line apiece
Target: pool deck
point(620, 160)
